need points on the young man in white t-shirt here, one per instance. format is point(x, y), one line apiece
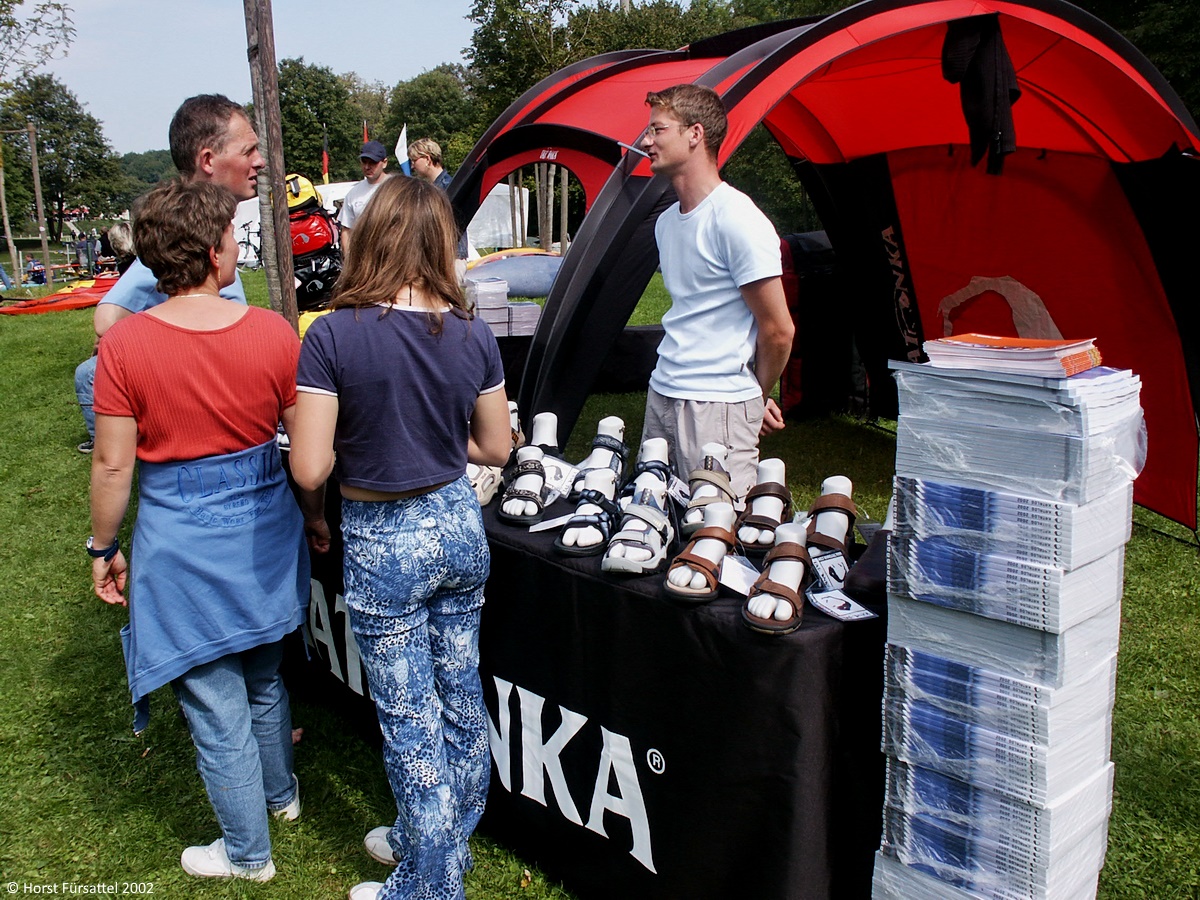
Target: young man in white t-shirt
point(728, 333)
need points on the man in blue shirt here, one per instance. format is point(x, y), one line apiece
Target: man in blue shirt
point(211, 140)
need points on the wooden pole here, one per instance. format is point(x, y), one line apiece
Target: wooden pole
point(522, 218)
point(563, 238)
point(512, 205)
point(551, 177)
point(275, 234)
point(12, 248)
point(37, 196)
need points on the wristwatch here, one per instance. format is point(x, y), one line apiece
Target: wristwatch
point(105, 553)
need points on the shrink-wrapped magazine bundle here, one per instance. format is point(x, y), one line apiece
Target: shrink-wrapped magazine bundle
point(1012, 506)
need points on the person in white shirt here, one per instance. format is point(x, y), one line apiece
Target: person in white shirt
point(728, 333)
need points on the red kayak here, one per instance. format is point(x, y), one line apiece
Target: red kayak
point(80, 295)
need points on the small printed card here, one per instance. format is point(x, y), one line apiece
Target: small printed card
point(560, 475)
point(738, 574)
point(826, 594)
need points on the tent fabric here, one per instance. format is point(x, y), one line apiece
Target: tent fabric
point(1081, 230)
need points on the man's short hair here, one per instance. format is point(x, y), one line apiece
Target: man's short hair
point(693, 104)
point(426, 147)
point(201, 121)
point(175, 226)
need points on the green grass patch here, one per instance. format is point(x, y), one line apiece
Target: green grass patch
point(84, 800)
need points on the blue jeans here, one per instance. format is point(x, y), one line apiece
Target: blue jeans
point(85, 378)
point(414, 576)
point(237, 711)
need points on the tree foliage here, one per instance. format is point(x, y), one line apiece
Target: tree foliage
point(32, 34)
point(314, 101)
point(148, 168)
point(78, 167)
point(369, 100)
point(437, 104)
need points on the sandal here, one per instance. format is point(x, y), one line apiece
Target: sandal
point(764, 585)
point(617, 463)
point(602, 520)
point(824, 541)
point(658, 467)
point(657, 538)
point(763, 523)
point(508, 474)
point(712, 473)
point(485, 482)
point(529, 467)
point(710, 570)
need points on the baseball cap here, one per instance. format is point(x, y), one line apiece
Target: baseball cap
point(374, 151)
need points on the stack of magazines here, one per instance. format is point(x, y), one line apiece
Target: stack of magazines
point(488, 298)
point(1012, 507)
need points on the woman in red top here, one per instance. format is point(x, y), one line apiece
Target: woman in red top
point(193, 389)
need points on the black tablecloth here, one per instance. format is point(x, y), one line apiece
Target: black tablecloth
point(755, 758)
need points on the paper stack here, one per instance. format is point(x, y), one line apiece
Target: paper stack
point(1012, 506)
point(523, 317)
point(488, 297)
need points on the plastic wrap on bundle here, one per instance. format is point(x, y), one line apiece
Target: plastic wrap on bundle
point(984, 869)
point(1004, 409)
point(937, 571)
point(1052, 533)
point(1042, 657)
point(1021, 709)
point(1032, 833)
point(1049, 466)
point(923, 735)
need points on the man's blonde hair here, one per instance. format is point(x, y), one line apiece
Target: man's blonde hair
point(692, 105)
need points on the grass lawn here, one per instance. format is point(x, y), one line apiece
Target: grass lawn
point(83, 800)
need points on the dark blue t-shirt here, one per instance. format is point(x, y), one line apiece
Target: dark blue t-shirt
point(405, 396)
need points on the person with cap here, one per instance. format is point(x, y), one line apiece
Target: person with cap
point(374, 159)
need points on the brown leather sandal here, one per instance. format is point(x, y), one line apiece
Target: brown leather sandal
point(827, 502)
point(710, 570)
point(763, 523)
point(764, 585)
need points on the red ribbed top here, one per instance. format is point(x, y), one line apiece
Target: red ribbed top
point(198, 393)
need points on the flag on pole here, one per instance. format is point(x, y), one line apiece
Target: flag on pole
point(324, 155)
point(402, 151)
point(365, 138)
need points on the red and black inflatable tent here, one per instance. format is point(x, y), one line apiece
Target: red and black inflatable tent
point(951, 206)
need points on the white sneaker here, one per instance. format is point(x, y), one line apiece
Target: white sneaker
point(367, 890)
point(378, 847)
point(291, 812)
point(213, 862)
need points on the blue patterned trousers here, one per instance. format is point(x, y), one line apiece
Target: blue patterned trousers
point(414, 576)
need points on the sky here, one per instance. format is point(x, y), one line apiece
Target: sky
point(134, 61)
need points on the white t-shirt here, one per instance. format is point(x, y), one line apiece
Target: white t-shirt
point(356, 199)
point(707, 351)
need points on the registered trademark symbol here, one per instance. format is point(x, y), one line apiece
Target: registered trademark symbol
point(655, 761)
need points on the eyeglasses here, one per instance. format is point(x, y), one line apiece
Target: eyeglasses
point(655, 130)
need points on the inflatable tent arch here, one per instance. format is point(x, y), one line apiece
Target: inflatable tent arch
point(1074, 224)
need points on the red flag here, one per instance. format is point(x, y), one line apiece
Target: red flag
point(365, 138)
point(324, 155)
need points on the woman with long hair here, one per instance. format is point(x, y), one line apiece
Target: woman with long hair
point(192, 390)
point(407, 387)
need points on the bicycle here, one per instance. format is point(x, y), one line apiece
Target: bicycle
point(249, 256)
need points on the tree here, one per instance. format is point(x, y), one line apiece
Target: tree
point(30, 36)
point(437, 104)
point(313, 101)
point(149, 167)
point(369, 100)
point(516, 43)
point(78, 167)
